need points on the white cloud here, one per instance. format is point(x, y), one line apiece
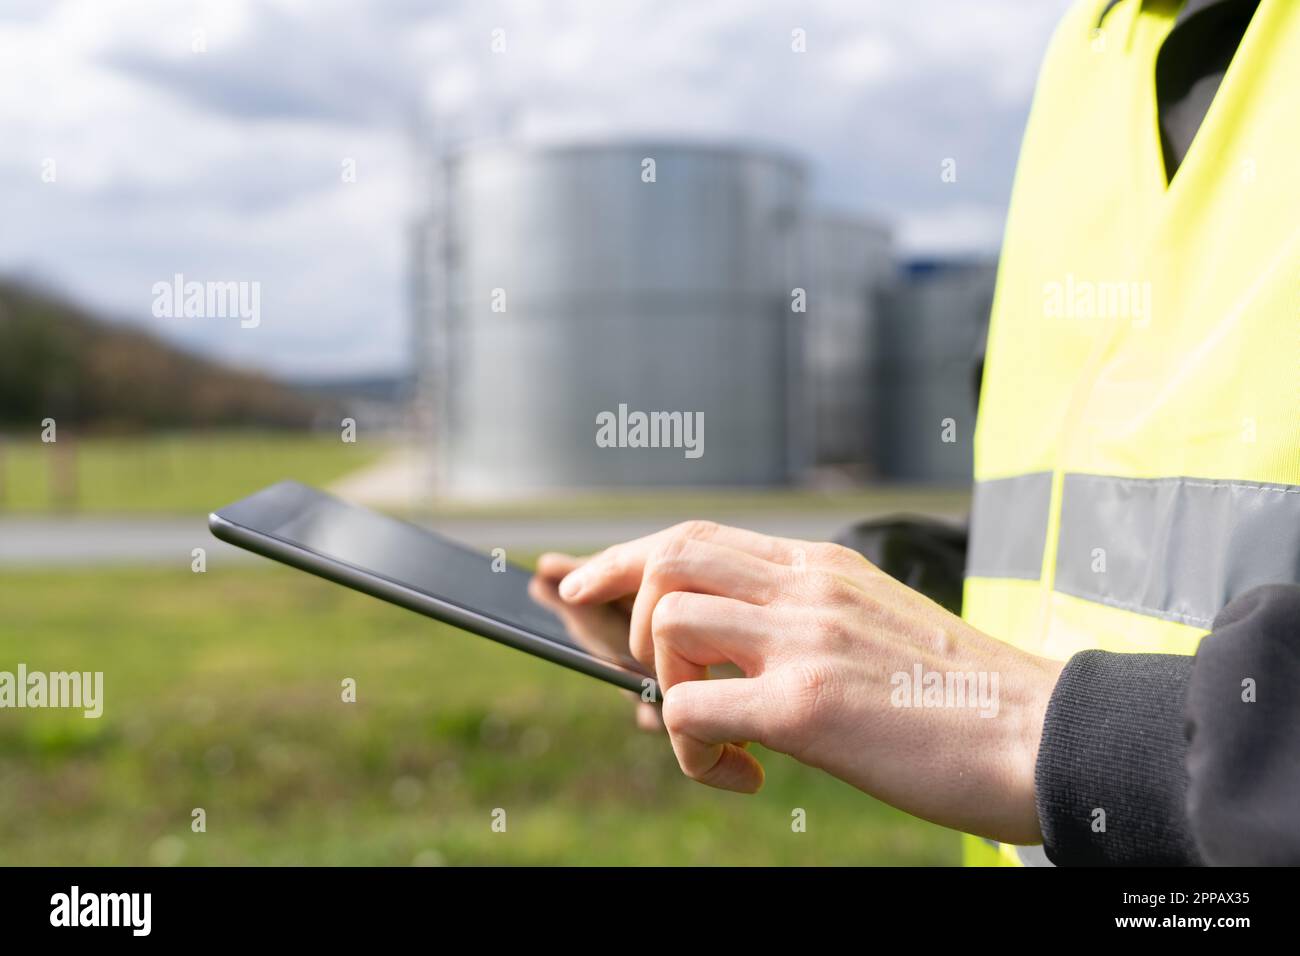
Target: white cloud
point(225, 163)
point(862, 60)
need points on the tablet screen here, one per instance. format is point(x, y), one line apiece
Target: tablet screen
point(423, 561)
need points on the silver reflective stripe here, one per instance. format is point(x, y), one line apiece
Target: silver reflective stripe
point(1009, 526)
point(1175, 548)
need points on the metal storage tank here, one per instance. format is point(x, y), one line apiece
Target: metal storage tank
point(847, 267)
point(574, 287)
point(929, 342)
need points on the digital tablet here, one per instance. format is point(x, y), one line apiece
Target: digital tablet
point(424, 572)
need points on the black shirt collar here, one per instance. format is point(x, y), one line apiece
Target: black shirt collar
point(1190, 9)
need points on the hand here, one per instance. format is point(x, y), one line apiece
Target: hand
point(601, 628)
point(830, 647)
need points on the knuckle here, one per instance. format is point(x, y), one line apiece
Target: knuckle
point(669, 614)
point(837, 556)
point(833, 631)
point(660, 562)
point(826, 587)
point(677, 714)
point(809, 682)
point(809, 689)
point(695, 530)
point(824, 552)
point(677, 545)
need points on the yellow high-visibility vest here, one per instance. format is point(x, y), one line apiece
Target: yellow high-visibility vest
point(1137, 451)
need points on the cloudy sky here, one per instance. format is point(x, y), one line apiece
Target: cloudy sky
point(143, 139)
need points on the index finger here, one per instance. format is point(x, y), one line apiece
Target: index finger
point(555, 565)
point(617, 571)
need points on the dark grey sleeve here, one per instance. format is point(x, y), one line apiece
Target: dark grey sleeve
point(1111, 781)
point(1243, 723)
point(1161, 759)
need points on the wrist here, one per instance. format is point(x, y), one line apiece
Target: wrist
point(1015, 819)
point(1042, 675)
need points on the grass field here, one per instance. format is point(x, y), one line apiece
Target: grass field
point(863, 500)
point(166, 473)
point(222, 691)
point(189, 472)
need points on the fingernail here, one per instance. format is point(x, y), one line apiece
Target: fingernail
point(571, 585)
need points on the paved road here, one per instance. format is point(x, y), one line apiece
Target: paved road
point(70, 541)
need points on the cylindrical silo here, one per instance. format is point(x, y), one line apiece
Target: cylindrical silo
point(604, 280)
point(847, 265)
point(929, 340)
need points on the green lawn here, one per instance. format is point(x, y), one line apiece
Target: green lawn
point(222, 691)
point(864, 500)
point(166, 473)
point(192, 471)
